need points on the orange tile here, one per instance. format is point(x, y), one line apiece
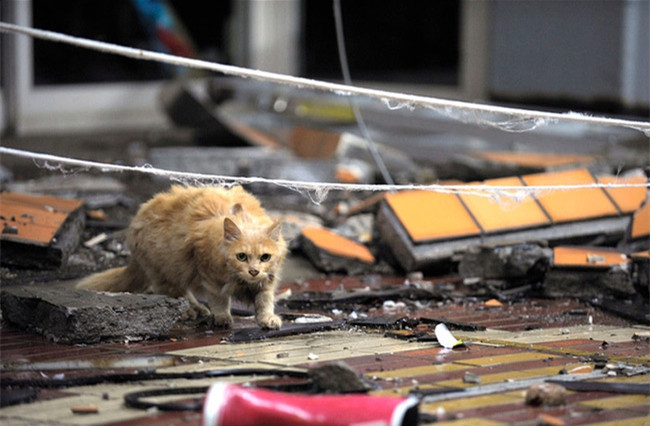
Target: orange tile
point(535, 159)
point(337, 245)
point(587, 257)
point(564, 205)
point(497, 215)
point(627, 199)
point(641, 222)
point(430, 215)
point(33, 218)
point(640, 255)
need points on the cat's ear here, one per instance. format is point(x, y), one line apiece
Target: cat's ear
point(236, 209)
point(230, 231)
point(275, 230)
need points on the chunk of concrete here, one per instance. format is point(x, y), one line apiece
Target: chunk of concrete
point(641, 272)
point(589, 283)
point(589, 272)
point(82, 316)
point(519, 261)
point(546, 394)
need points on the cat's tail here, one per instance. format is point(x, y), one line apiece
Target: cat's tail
point(123, 279)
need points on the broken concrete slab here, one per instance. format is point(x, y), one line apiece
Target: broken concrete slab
point(331, 252)
point(519, 262)
point(338, 377)
point(641, 272)
point(81, 316)
point(39, 231)
point(588, 272)
point(588, 284)
point(358, 227)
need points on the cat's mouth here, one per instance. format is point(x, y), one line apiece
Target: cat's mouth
point(251, 282)
point(257, 281)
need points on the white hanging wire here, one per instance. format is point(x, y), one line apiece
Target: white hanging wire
point(465, 111)
point(347, 78)
point(516, 192)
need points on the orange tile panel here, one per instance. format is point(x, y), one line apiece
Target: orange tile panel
point(640, 255)
point(430, 215)
point(587, 257)
point(33, 218)
point(564, 205)
point(627, 199)
point(535, 159)
point(505, 213)
point(44, 202)
point(641, 222)
point(337, 245)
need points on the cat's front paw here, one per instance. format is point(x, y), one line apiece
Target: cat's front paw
point(269, 321)
point(222, 320)
point(195, 312)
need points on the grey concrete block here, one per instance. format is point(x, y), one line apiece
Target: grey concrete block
point(82, 316)
point(518, 261)
point(641, 274)
point(589, 283)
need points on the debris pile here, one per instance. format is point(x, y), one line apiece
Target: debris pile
point(501, 243)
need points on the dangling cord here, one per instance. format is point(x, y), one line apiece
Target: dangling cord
point(345, 69)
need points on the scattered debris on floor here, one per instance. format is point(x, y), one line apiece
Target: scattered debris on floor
point(511, 306)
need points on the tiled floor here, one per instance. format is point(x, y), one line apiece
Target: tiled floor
point(524, 343)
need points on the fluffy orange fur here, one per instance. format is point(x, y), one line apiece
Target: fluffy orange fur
point(209, 240)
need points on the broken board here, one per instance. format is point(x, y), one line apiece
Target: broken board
point(39, 231)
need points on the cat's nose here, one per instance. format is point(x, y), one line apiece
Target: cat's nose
point(253, 272)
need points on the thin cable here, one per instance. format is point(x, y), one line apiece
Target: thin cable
point(392, 100)
point(347, 78)
point(516, 192)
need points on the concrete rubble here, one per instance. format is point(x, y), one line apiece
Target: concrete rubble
point(81, 316)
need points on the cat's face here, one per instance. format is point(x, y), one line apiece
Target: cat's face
point(253, 255)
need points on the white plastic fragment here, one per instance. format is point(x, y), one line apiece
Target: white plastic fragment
point(445, 338)
point(312, 356)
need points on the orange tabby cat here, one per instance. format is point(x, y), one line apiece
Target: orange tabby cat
point(214, 241)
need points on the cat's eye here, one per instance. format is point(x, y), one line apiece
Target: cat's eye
point(265, 257)
point(241, 257)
